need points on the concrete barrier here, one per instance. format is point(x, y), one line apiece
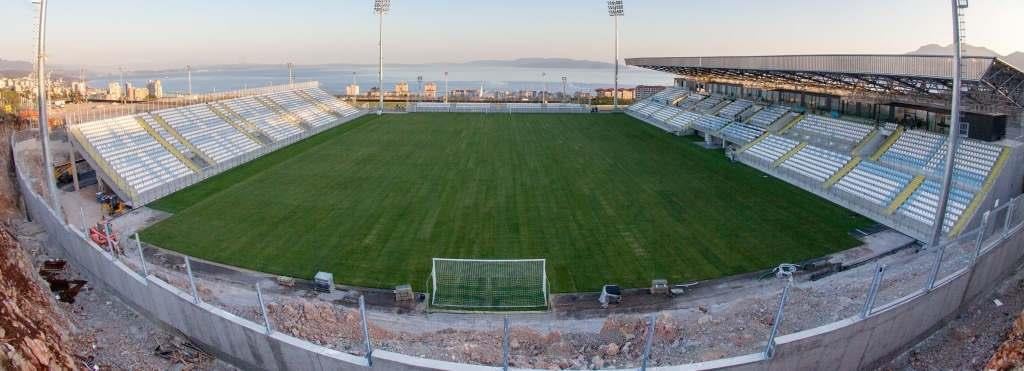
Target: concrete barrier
point(849, 344)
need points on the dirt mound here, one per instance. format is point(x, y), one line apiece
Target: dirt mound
point(31, 332)
point(1010, 354)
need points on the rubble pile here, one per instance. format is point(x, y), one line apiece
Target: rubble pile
point(1010, 355)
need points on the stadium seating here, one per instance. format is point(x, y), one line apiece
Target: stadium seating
point(205, 130)
point(132, 153)
point(150, 121)
point(817, 163)
point(306, 111)
point(766, 117)
point(708, 103)
point(772, 148)
point(833, 129)
point(735, 108)
point(667, 96)
point(874, 183)
point(337, 105)
point(666, 114)
point(741, 133)
point(923, 203)
point(690, 101)
point(710, 124)
point(920, 151)
point(684, 119)
point(273, 125)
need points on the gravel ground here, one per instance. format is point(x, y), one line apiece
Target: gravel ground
point(968, 342)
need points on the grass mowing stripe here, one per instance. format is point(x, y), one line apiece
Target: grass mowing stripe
point(605, 198)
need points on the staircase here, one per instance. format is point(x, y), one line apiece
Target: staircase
point(789, 154)
point(236, 121)
point(320, 106)
point(167, 145)
point(905, 194)
point(888, 143)
point(170, 129)
point(273, 106)
point(846, 169)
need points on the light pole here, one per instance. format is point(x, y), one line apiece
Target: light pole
point(954, 127)
point(291, 74)
point(419, 94)
point(544, 88)
point(188, 71)
point(44, 124)
point(446, 87)
point(615, 10)
point(381, 7)
point(565, 81)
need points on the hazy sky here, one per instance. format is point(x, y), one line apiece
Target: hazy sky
point(149, 34)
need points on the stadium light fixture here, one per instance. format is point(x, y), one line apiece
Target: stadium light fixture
point(44, 125)
point(381, 7)
point(954, 128)
point(615, 10)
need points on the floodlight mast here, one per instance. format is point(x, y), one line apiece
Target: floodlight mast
point(44, 124)
point(615, 10)
point(380, 7)
point(188, 70)
point(954, 127)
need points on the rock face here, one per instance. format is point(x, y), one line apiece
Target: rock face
point(31, 335)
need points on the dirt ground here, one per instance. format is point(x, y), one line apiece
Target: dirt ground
point(969, 341)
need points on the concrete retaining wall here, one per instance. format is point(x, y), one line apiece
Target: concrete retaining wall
point(853, 343)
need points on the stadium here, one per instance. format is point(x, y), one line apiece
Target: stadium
point(797, 193)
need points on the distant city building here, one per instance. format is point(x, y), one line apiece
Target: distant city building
point(155, 88)
point(645, 91)
point(402, 89)
point(81, 88)
point(464, 93)
point(352, 90)
point(114, 91)
point(624, 93)
point(136, 94)
point(430, 90)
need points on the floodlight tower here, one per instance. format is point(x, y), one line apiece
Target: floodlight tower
point(446, 87)
point(615, 10)
point(381, 7)
point(44, 123)
point(188, 71)
point(291, 74)
point(419, 94)
point(958, 7)
point(565, 81)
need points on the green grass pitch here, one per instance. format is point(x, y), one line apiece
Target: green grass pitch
point(604, 198)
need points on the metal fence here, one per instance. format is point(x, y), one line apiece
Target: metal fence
point(800, 308)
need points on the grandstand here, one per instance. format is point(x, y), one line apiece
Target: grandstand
point(149, 155)
point(885, 170)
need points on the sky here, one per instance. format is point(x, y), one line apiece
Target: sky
point(172, 33)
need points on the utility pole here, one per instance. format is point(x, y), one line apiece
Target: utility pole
point(44, 123)
point(954, 128)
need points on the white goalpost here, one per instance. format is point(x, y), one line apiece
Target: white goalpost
point(489, 284)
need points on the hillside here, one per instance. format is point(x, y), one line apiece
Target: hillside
point(1016, 59)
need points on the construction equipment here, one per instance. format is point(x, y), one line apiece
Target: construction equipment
point(110, 204)
point(98, 234)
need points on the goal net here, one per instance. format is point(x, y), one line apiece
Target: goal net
point(489, 284)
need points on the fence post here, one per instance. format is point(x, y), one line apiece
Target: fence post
point(648, 342)
point(873, 291)
point(1009, 216)
point(504, 347)
point(769, 349)
point(142, 257)
point(366, 331)
point(110, 239)
point(191, 280)
point(263, 309)
point(981, 237)
point(935, 268)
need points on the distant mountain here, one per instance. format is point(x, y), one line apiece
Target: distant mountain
point(6, 65)
point(542, 63)
point(969, 50)
point(1016, 59)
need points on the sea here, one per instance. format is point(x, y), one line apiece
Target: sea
point(334, 78)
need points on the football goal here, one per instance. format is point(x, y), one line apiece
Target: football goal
point(489, 284)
